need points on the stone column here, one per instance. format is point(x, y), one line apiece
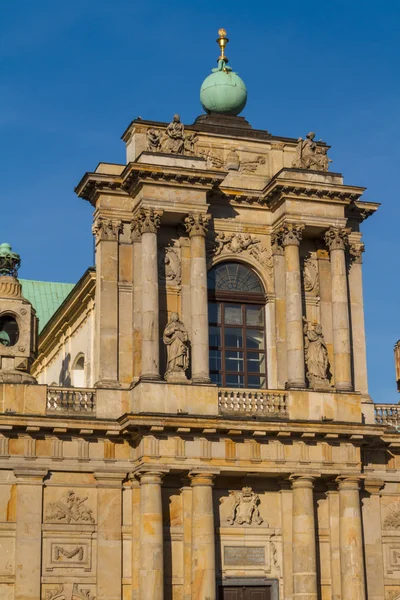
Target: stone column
point(351, 541)
point(196, 225)
point(336, 240)
point(371, 512)
point(106, 232)
point(280, 310)
point(357, 320)
point(135, 486)
point(146, 222)
point(186, 494)
point(304, 550)
point(28, 534)
point(137, 301)
point(290, 236)
point(203, 537)
point(109, 537)
point(151, 576)
point(287, 537)
point(334, 541)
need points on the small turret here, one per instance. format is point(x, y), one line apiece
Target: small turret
point(18, 323)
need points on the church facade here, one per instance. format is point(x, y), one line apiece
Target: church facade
point(195, 422)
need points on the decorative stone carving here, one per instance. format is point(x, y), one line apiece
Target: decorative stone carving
point(9, 261)
point(356, 252)
point(392, 594)
point(154, 140)
point(70, 509)
point(392, 519)
point(213, 160)
point(237, 243)
point(169, 264)
point(146, 220)
point(81, 594)
point(250, 166)
point(197, 224)
point(189, 143)
point(288, 235)
point(56, 593)
point(78, 593)
point(75, 552)
point(336, 238)
point(245, 508)
point(316, 356)
point(232, 162)
point(311, 156)
point(174, 140)
point(310, 278)
point(176, 339)
point(106, 229)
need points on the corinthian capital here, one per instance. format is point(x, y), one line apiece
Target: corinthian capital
point(336, 238)
point(288, 235)
point(106, 229)
point(197, 224)
point(146, 220)
point(356, 252)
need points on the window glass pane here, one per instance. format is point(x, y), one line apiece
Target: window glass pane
point(255, 316)
point(232, 276)
point(215, 360)
point(214, 336)
point(216, 378)
point(255, 362)
point(214, 312)
point(234, 361)
point(256, 382)
point(235, 381)
point(233, 314)
point(255, 339)
point(233, 337)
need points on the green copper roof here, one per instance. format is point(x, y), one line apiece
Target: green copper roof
point(45, 297)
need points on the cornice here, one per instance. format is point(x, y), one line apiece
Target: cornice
point(93, 184)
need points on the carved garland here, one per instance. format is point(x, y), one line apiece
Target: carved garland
point(238, 243)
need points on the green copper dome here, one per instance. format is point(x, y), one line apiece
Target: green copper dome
point(223, 91)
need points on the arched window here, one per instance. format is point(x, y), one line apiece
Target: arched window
point(78, 371)
point(236, 327)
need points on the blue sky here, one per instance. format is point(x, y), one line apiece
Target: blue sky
point(74, 74)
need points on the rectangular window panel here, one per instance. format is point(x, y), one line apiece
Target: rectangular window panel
point(255, 339)
point(216, 378)
point(255, 362)
point(234, 361)
point(214, 312)
point(255, 316)
point(235, 381)
point(233, 337)
point(233, 314)
point(215, 360)
point(256, 382)
point(214, 336)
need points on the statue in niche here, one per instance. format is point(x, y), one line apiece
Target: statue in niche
point(245, 508)
point(316, 356)
point(153, 140)
point(309, 155)
point(174, 140)
point(176, 339)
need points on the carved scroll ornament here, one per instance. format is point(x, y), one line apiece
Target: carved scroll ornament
point(245, 508)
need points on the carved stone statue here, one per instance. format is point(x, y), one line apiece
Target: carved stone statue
point(174, 141)
point(309, 155)
point(176, 338)
point(189, 142)
point(316, 355)
point(153, 140)
point(245, 508)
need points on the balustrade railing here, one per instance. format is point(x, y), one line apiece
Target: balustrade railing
point(252, 402)
point(387, 414)
point(71, 400)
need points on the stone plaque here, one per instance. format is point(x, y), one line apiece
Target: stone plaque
point(244, 555)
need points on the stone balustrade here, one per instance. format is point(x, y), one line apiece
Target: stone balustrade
point(71, 400)
point(252, 402)
point(387, 414)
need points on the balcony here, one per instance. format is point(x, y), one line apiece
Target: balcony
point(71, 401)
point(268, 403)
point(387, 414)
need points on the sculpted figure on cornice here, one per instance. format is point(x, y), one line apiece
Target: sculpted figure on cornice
point(106, 229)
point(316, 356)
point(154, 140)
point(173, 140)
point(245, 508)
point(311, 156)
point(169, 264)
point(176, 339)
point(146, 220)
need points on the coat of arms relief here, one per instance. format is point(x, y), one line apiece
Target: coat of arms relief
point(244, 508)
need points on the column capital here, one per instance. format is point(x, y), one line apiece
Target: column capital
point(349, 482)
point(201, 478)
point(373, 486)
point(302, 481)
point(30, 476)
point(150, 477)
point(356, 251)
point(106, 229)
point(109, 480)
point(336, 238)
point(289, 234)
point(197, 224)
point(146, 220)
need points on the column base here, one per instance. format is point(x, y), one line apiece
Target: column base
point(203, 379)
point(150, 377)
point(295, 385)
point(109, 384)
point(344, 386)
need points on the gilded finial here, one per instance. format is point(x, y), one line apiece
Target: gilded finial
point(222, 41)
